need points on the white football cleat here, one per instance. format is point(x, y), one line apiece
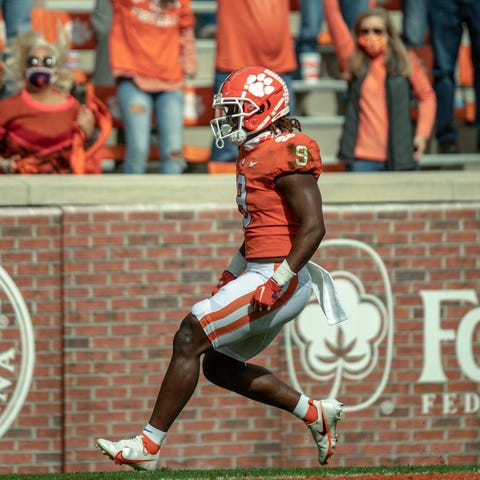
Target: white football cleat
point(131, 452)
point(324, 430)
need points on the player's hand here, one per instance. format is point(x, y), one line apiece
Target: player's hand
point(226, 277)
point(265, 295)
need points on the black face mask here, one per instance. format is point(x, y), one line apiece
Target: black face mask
point(39, 77)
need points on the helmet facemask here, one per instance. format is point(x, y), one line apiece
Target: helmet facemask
point(229, 119)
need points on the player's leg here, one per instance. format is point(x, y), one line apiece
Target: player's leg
point(246, 334)
point(178, 385)
point(259, 384)
point(249, 380)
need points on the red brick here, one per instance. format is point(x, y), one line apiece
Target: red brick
point(125, 292)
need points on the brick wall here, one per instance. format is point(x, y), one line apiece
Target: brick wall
point(107, 286)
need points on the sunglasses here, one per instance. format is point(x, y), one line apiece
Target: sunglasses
point(375, 31)
point(48, 62)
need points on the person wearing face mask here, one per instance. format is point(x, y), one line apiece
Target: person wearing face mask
point(43, 129)
point(378, 133)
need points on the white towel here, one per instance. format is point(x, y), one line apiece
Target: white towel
point(326, 293)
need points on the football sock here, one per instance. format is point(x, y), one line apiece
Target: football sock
point(152, 438)
point(306, 410)
point(312, 413)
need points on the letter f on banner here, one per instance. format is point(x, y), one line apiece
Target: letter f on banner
point(433, 334)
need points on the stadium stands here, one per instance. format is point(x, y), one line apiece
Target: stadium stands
point(317, 100)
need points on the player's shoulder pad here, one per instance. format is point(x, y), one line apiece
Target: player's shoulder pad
point(295, 152)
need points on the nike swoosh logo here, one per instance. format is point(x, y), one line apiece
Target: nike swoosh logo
point(120, 459)
point(252, 164)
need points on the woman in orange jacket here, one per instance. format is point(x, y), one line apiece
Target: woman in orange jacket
point(378, 133)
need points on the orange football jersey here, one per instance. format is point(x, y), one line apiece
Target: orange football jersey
point(268, 223)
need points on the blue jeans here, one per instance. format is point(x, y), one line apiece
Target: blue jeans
point(351, 9)
point(136, 109)
point(361, 165)
point(17, 17)
point(414, 22)
point(229, 152)
point(446, 18)
point(311, 20)
point(101, 21)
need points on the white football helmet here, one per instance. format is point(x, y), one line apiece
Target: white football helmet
point(250, 99)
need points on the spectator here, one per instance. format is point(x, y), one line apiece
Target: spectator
point(152, 50)
point(414, 22)
point(102, 21)
point(446, 19)
point(252, 32)
point(43, 129)
point(377, 134)
point(267, 283)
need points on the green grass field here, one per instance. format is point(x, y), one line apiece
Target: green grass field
point(295, 473)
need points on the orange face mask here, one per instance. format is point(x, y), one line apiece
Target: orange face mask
point(373, 45)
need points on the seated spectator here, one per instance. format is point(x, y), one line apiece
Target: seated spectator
point(377, 134)
point(43, 128)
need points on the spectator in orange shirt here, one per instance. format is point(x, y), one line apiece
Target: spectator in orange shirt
point(377, 134)
point(152, 50)
point(40, 125)
point(252, 32)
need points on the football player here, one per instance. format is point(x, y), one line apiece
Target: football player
point(267, 282)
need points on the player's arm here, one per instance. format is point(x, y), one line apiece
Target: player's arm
point(305, 201)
